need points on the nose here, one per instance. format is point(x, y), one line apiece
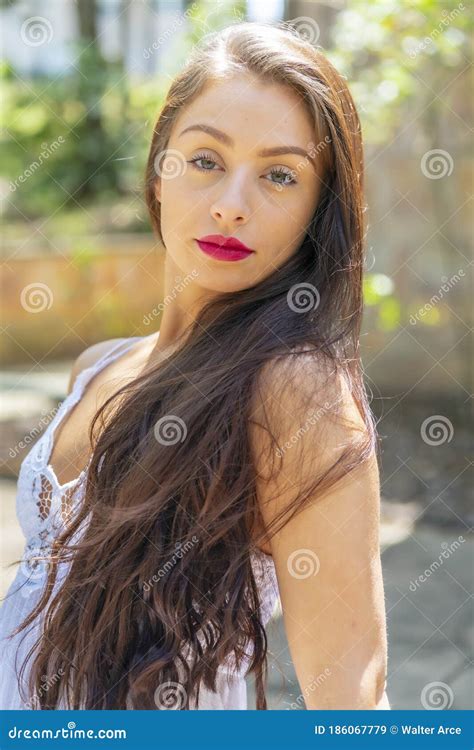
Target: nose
point(231, 206)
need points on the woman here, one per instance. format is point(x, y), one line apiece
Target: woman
point(236, 455)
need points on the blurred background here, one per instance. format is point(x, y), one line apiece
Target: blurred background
point(82, 84)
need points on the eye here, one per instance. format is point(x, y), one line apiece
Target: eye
point(285, 173)
point(202, 158)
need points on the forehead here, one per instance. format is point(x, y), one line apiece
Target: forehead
point(251, 112)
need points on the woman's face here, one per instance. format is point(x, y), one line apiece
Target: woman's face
point(213, 184)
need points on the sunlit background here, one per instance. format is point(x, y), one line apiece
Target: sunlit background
point(82, 83)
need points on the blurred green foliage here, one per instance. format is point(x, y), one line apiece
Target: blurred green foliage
point(74, 146)
point(79, 141)
point(397, 51)
point(104, 116)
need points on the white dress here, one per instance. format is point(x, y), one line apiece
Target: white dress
point(42, 506)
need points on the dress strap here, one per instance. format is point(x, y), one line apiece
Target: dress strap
point(110, 355)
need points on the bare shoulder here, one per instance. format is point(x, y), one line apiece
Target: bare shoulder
point(89, 357)
point(303, 387)
point(318, 492)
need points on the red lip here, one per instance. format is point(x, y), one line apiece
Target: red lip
point(224, 248)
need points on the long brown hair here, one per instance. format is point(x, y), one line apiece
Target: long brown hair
point(164, 469)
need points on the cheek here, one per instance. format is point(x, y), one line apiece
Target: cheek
point(175, 207)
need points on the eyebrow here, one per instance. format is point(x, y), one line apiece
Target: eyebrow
point(219, 135)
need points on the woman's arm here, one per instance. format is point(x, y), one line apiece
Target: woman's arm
point(327, 557)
